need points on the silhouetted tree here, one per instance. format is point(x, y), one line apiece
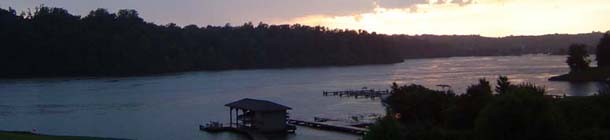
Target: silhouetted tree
point(386, 128)
point(468, 106)
point(603, 51)
point(522, 114)
point(529, 88)
point(503, 85)
point(481, 89)
point(419, 106)
point(578, 58)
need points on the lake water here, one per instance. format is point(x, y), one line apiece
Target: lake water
point(172, 106)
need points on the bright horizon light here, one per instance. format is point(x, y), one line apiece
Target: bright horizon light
point(493, 18)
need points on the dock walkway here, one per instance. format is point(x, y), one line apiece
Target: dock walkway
point(366, 93)
point(252, 134)
point(344, 129)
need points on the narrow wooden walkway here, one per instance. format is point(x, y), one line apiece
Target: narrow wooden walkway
point(252, 134)
point(344, 129)
point(366, 93)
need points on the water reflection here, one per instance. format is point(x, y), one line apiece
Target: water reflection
point(172, 106)
point(584, 88)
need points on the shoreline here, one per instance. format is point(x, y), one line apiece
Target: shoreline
point(24, 135)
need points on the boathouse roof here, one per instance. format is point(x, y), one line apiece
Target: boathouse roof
point(257, 105)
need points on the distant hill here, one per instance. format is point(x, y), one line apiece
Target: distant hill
point(474, 45)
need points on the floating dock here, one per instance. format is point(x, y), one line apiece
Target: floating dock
point(363, 93)
point(317, 125)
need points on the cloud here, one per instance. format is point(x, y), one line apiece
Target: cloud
point(462, 2)
point(411, 4)
point(399, 3)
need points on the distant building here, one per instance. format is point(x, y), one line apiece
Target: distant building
point(260, 115)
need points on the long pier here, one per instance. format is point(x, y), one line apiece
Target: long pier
point(365, 93)
point(344, 129)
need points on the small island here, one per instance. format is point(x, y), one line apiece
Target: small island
point(579, 62)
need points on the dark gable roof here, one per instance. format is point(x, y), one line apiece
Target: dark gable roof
point(257, 105)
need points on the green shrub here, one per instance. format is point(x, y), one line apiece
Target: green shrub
point(386, 128)
point(418, 105)
point(521, 114)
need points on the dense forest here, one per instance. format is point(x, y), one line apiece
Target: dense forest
point(513, 112)
point(52, 42)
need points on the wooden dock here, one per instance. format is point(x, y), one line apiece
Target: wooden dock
point(317, 125)
point(363, 93)
point(252, 134)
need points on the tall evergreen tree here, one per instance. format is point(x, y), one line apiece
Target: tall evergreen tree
point(603, 51)
point(578, 58)
point(503, 85)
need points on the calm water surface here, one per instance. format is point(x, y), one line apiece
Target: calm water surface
point(172, 106)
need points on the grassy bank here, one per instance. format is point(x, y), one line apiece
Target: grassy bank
point(13, 135)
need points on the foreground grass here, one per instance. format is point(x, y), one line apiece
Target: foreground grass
point(6, 135)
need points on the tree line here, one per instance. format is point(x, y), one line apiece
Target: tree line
point(514, 112)
point(52, 42)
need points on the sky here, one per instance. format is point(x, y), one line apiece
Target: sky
point(493, 18)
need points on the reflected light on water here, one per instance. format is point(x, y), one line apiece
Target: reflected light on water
point(172, 106)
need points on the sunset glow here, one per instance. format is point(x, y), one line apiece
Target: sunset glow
point(484, 17)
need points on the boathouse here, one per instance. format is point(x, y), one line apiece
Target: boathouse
point(260, 115)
